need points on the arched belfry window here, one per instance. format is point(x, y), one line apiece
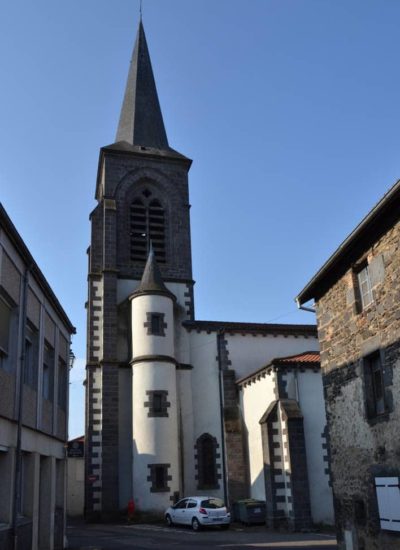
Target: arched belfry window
point(147, 223)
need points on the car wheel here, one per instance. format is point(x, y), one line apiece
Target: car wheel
point(226, 526)
point(168, 520)
point(196, 524)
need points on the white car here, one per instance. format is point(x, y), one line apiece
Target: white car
point(198, 512)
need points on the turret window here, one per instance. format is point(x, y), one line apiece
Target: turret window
point(157, 403)
point(147, 224)
point(155, 324)
point(159, 477)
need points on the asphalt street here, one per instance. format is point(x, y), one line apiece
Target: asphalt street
point(158, 537)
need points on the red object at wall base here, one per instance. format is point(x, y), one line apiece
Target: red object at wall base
point(131, 509)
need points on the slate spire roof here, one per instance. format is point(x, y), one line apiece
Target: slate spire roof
point(152, 281)
point(141, 122)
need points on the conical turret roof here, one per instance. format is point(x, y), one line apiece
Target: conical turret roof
point(152, 281)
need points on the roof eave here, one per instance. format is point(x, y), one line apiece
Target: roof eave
point(368, 225)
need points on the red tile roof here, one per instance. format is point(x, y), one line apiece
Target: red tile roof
point(306, 357)
point(311, 359)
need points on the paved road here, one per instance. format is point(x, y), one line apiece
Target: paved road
point(156, 537)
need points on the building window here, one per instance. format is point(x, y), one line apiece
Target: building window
point(364, 287)
point(157, 403)
point(159, 477)
point(155, 324)
point(5, 322)
point(207, 475)
point(147, 224)
point(62, 384)
point(8, 334)
point(31, 356)
point(48, 372)
point(374, 385)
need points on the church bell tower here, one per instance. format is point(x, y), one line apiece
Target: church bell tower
point(142, 215)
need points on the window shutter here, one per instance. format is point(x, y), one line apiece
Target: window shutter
point(369, 389)
point(388, 496)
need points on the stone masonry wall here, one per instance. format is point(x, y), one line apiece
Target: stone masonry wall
point(362, 447)
point(167, 180)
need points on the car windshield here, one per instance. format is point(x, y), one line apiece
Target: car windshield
point(212, 503)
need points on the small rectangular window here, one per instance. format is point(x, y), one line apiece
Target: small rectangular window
point(364, 287)
point(374, 385)
point(155, 323)
point(159, 477)
point(158, 402)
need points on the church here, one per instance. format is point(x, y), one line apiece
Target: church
point(177, 406)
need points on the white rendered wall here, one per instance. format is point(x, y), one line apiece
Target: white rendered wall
point(312, 405)
point(186, 430)
point(75, 486)
point(249, 353)
point(155, 439)
point(205, 398)
point(255, 400)
point(306, 388)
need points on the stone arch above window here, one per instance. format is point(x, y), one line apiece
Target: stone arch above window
point(206, 462)
point(147, 223)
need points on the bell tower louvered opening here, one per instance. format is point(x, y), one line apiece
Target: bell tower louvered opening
point(147, 223)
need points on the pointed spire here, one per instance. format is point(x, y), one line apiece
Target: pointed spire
point(152, 282)
point(141, 121)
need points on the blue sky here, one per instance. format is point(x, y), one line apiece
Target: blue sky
point(289, 109)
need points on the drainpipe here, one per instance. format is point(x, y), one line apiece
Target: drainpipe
point(18, 451)
point(221, 403)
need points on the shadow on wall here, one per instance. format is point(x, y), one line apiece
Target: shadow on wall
point(362, 413)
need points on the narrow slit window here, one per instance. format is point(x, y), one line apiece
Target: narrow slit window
point(374, 385)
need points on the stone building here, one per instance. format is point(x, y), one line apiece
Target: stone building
point(163, 417)
point(34, 372)
point(356, 294)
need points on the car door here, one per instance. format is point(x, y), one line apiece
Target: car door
point(192, 509)
point(179, 511)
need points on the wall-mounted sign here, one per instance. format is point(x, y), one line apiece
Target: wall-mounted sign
point(76, 449)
